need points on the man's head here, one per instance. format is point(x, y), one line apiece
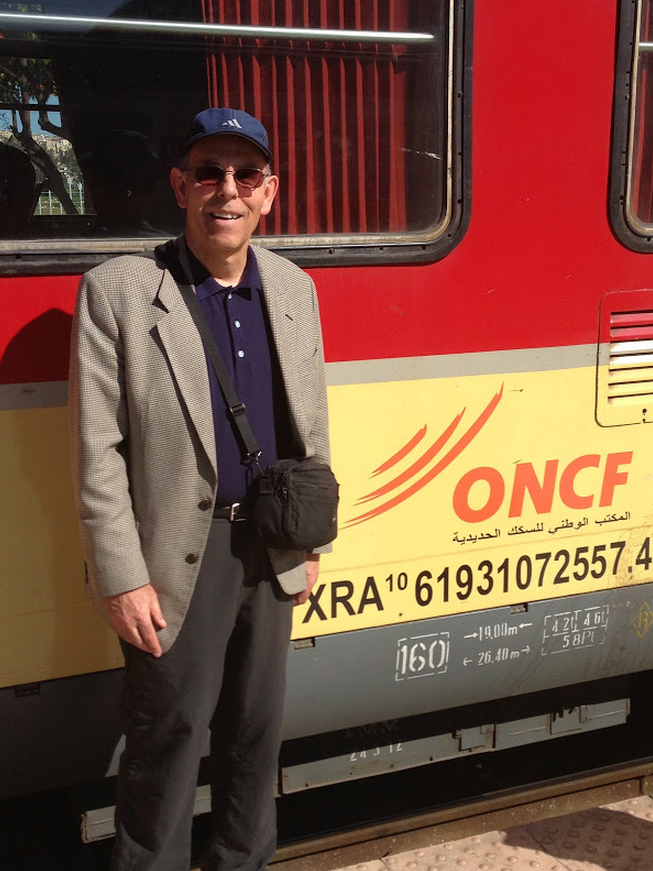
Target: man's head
point(224, 183)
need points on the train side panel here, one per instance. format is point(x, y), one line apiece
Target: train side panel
point(495, 528)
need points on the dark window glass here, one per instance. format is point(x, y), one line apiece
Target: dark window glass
point(95, 98)
point(640, 182)
point(631, 196)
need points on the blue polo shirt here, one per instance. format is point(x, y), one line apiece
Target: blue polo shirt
point(239, 323)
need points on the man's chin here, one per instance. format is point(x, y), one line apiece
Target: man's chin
point(219, 241)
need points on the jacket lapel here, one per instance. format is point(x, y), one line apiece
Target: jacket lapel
point(283, 323)
point(185, 351)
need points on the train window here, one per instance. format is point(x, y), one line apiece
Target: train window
point(363, 99)
point(631, 195)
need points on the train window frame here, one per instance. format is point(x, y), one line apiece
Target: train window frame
point(633, 233)
point(73, 255)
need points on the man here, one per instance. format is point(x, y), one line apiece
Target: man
point(203, 610)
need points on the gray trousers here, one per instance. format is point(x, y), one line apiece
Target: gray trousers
point(225, 672)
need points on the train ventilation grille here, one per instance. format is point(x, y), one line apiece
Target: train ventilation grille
point(630, 369)
point(626, 364)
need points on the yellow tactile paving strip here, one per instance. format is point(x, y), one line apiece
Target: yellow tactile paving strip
point(616, 837)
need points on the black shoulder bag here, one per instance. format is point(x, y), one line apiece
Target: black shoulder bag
point(292, 503)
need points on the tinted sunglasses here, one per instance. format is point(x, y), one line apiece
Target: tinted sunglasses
point(245, 177)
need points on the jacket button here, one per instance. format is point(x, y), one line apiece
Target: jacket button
point(191, 558)
point(204, 504)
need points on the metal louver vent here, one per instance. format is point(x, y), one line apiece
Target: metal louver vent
point(630, 364)
point(625, 358)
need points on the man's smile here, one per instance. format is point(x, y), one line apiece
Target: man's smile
point(220, 216)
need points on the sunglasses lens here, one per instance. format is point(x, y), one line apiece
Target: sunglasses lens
point(209, 174)
point(248, 177)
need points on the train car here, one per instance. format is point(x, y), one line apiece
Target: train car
point(470, 185)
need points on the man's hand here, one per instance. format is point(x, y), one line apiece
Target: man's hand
point(312, 569)
point(135, 616)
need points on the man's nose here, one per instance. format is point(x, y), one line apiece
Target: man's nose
point(228, 187)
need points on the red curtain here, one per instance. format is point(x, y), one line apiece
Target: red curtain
point(335, 112)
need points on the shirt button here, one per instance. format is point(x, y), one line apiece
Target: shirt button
point(204, 504)
point(237, 324)
point(229, 295)
point(191, 558)
point(241, 354)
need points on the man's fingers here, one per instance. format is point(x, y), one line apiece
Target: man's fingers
point(135, 616)
point(300, 598)
point(312, 571)
point(149, 641)
point(157, 616)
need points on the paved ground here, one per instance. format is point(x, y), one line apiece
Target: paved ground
point(617, 837)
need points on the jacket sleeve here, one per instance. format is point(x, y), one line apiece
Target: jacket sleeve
point(99, 431)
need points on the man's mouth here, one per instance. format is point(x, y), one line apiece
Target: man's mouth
point(218, 216)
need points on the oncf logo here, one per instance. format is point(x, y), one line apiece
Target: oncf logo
point(584, 482)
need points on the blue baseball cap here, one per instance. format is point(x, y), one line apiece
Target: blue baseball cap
point(235, 122)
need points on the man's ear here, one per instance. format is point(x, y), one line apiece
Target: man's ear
point(271, 190)
point(178, 183)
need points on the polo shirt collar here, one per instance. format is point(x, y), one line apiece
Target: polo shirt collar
point(206, 285)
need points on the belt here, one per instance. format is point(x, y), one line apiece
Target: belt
point(233, 512)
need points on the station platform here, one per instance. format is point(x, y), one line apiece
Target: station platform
point(615, 837)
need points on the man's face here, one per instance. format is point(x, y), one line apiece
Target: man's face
point(221, 218)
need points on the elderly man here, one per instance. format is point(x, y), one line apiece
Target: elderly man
point(202, 608)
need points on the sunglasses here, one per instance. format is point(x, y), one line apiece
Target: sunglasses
point(248, 177)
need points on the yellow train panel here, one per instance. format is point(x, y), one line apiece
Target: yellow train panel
point(48, 628)
point(465, 493)
point(457, 494)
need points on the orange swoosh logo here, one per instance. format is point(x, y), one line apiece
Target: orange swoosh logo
point(422, 462)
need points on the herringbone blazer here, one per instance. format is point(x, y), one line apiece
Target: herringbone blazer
point(141, 426)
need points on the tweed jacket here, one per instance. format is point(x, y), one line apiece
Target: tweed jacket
point(141, 427)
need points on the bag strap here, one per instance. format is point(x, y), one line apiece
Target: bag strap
point(235, 406)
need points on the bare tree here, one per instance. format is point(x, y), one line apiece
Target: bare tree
point(27, 84)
